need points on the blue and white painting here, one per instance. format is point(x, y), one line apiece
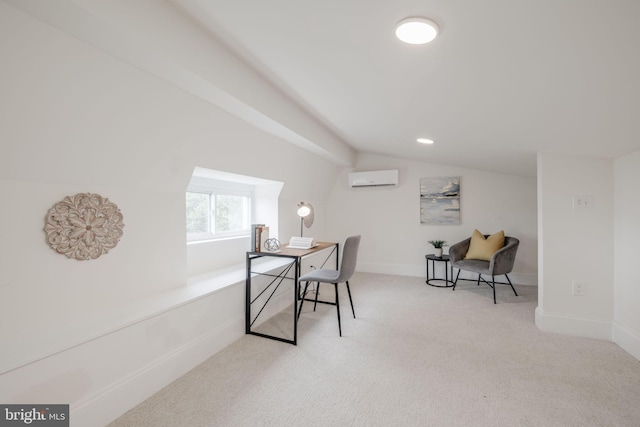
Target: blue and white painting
point(440, 201)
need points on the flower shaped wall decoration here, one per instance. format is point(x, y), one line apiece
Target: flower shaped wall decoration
point(84, 226)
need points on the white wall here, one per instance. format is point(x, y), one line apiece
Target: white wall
point(103, 334)
point(76, 119)
point(626, 328)
point(575, 245)
point(388, 218)
point(155, 36)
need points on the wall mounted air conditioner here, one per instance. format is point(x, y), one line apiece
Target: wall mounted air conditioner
point(373, 178)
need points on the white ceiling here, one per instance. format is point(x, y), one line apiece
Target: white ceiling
point(504, 80)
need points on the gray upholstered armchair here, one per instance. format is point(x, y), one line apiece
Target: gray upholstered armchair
point(501, 263)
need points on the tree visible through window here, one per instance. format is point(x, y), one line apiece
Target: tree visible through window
point(217, 214)
point(230, 213)
point(198, 209)
point(221, 205)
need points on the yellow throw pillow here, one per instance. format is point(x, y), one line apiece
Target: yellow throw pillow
point(483, 249)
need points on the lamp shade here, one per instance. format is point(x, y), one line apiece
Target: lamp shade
point(305, 211)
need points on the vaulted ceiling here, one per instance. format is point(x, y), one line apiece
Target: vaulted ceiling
point(504, 80)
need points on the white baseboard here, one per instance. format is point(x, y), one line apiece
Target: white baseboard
point(395, 269)
point(588, 328)
point(116, 399)
point(626, 340)
point(420, 271)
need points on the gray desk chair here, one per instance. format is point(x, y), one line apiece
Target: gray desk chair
point(343, 274)
point(501, 263)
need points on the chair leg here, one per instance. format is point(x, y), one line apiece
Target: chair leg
point(455, 282)
point(479, 276)
point(338, 309)
point(303, 295)
point(317, 292)
point(493, 285)
point(350, 300)
point(514, 289)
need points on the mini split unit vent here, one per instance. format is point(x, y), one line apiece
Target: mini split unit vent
point(373, 178)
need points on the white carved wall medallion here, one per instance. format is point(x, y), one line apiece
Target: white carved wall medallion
point(83, 226)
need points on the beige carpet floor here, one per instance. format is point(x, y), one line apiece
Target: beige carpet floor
point(415, 356)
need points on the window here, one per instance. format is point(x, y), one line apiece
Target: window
point(217, 209)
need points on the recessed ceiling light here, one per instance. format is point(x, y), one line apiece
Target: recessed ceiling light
point(416, 30)
point(425, 141)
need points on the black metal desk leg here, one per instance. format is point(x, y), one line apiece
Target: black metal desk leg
point(296, 293)
point(247, 304)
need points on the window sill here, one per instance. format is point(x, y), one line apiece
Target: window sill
point(217, 239)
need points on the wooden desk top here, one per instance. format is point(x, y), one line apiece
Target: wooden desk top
point(288, 252)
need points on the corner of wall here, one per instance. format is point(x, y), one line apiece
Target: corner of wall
point(574, 326)
point(626, 340)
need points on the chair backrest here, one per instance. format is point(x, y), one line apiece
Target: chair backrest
point(503, 260)
point(349, 258)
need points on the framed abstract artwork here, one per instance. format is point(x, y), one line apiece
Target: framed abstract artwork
point(440, 201)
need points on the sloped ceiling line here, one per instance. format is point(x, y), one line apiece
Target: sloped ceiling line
point(84, 25)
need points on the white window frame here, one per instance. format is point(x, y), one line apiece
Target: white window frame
point(215, 187)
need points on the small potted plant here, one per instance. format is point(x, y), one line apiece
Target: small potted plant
point(438, 245)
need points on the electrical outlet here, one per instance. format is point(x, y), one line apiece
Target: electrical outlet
point(578, 288)
point(583, 202)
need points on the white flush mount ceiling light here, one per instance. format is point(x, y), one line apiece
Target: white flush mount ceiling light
point(425, 141)
point(416, 30)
